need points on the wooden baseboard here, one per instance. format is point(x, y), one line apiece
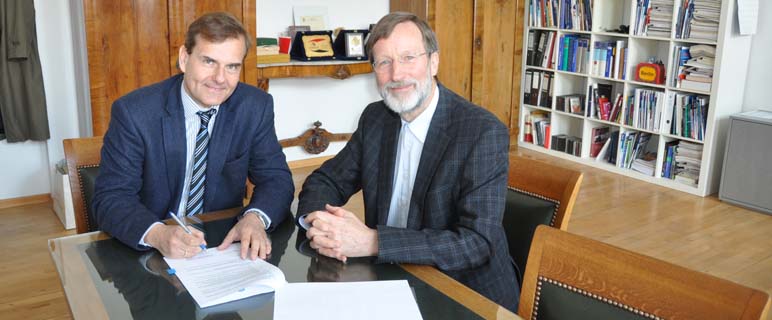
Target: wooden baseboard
point(23, 201)
point(308, 162)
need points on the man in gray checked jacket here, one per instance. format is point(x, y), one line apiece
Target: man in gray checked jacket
point(432, 167)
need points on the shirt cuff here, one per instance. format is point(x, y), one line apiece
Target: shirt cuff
point(260, 214)
point(302, 222)
point(142, 239)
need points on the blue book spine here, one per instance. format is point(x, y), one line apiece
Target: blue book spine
point(572, 54)
point(560, 53)
point(609, 59)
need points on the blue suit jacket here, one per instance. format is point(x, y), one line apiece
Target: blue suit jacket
point(458, 197)
point(143, 159)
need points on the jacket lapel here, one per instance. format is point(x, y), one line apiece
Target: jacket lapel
point(386, 163)
point(219, 144)
point(437, 140)
point(174, 142)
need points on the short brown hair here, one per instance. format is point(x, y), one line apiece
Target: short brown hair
point(216, 27)
point(386, 25)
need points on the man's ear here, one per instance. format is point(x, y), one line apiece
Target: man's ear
point(182, 58)
point(434, 60)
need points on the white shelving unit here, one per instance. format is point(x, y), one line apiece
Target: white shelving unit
point(725, 96)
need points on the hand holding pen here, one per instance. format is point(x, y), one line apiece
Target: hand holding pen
point(187, 230)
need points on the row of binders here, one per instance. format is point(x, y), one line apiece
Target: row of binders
point(540, 49)
point(540, 84)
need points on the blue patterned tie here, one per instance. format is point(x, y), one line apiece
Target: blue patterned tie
point(198, 178)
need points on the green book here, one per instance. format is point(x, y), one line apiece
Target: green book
point(267, 41)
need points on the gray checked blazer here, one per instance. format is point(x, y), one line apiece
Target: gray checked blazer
point(458, 198)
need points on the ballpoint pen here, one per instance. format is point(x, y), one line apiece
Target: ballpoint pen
point(184, 227)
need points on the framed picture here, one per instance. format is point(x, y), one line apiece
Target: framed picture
point(355, 44)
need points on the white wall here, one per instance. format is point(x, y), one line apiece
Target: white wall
point(757, 84)
point(336, 103)
point(29, 166)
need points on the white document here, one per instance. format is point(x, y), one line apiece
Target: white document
point(748, 16)
point(371, 300)
point(214, 277)
point(312, 16)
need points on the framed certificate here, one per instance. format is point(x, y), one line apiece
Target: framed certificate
point(355, 44)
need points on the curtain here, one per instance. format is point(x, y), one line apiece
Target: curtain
point(22, 96)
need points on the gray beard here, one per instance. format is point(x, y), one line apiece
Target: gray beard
point(412, 102)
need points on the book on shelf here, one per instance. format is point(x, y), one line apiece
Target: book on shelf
point(568, 144)
point(645, 164)
point(573, 52)
point(688, 115)
point(572, 103)
point(576, 15)
point(543, 13)
point(668, 163)
point(599, 138)
point(540, 83)
point(273, 58)
point(687, 159)
point(559, 142)
point(608, 59)
point(540, 127)
point(573, 146)
point(599, 105)
point(613, 149)
point(602, 154)
point(653, 18)
point(647, 109)
point(695, 85)
point(698, 19)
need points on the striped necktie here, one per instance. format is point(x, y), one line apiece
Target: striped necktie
point(198, 178)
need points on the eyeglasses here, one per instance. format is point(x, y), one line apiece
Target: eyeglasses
point(384, 65)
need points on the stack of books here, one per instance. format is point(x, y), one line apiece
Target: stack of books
point(653, 18)
point(645, 164)
point(698, 19)
point(576, 15)
point(687, 160)
point(268, 51)
point(697, 72)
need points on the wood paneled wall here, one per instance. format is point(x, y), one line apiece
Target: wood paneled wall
point(134, 43)
point(480, 50)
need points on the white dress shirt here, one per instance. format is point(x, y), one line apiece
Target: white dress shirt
point(192, 125)
point(411, 143)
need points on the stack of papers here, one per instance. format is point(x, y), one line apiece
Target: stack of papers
point(214, 277)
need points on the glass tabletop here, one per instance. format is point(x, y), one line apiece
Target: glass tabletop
point(104, 278)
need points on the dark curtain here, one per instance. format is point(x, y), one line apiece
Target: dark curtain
point(22, 96)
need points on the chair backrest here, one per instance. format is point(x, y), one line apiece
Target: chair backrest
point(539, 194)
point(83, 156)
point(573, 277)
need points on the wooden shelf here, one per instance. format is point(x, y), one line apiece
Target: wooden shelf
point(296, 69)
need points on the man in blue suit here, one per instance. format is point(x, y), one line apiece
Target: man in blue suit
point(187, 145)
point(432, 168)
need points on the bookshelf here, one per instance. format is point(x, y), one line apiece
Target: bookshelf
point(581, 89)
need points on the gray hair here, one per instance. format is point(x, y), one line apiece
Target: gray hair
point(387, 24)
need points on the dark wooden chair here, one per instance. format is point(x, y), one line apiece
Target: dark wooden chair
point(83, 156)
point(538, 193)
point(573, 277)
